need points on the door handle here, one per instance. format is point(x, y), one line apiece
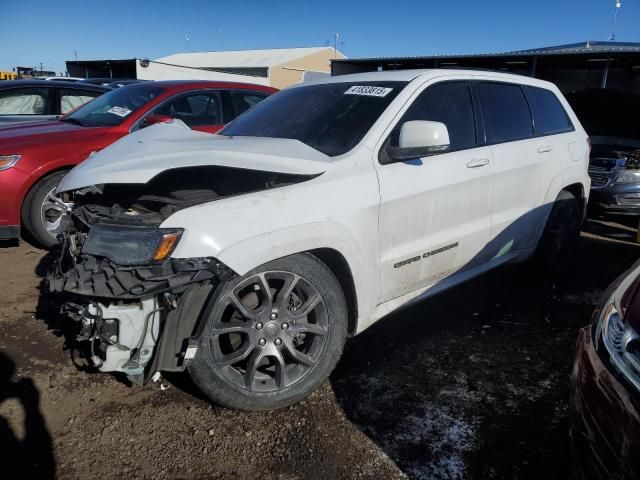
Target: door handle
point(545, 149)
point(478, 162)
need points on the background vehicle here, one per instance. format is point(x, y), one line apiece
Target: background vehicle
point(107, 81)
point(610, 118)
point(254, 253)
point(605, 386)
point(33, 100)
point(55, 78)
point(35, 156)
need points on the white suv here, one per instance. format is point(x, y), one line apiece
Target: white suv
point(248, 257)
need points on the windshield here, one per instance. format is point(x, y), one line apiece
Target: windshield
point(112, 108)
point(330, 117)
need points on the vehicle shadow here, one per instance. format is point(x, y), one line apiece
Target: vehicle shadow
point(9, 243)
point(473, 382)
point(32, 455)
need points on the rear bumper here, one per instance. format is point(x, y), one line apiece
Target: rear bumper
point(9, 232)
point(604, 417)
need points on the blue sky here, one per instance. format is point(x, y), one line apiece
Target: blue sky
point(49, 31)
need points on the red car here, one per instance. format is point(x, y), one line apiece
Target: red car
point(604, 405)
point(35, 156)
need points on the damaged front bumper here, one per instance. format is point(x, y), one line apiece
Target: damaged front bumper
point(135, 319)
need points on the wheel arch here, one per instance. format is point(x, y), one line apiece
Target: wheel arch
point(35, 179)
point(339, 266)
point(577, 190)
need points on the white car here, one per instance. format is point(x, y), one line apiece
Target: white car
point(248, 257)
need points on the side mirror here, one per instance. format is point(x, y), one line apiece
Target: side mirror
point(153, 119)
point(420, 138)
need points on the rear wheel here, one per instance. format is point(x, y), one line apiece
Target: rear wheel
point(42, 212)
point(272, 336)
point(560, 234)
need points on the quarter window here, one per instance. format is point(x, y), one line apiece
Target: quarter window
point(449, 103)
point(506, 112)
point(549, 116)
point(24, 101)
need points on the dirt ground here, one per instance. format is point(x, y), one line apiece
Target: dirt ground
point(470, 384)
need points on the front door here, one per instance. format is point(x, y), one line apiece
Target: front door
point(435, 213)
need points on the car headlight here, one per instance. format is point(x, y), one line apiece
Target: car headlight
point(621, 342)
point(127, 245)
point(8, 161)
point(628, 176)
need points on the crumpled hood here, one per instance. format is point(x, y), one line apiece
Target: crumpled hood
point(141, 155)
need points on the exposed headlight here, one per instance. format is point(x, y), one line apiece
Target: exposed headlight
point(126, 245)
point(621, 342)
point(8, 161)
point(628, 176)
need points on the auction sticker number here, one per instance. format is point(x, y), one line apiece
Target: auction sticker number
point(120, 111)
point(368, 91)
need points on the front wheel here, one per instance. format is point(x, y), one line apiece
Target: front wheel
point(43, 213)
point(272, 336)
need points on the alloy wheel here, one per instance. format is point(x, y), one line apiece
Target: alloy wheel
point(269, 332)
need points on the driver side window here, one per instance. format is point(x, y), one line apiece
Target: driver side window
point(449, 103)
point(202, 108)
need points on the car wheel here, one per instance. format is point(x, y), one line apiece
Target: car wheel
point(42, 213)
point(272, 336)
point(560, 234)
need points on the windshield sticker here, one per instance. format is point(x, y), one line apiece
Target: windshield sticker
point(120, 111)
point(368, 91)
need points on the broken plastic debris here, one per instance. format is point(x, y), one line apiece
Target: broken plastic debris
point(156, 376)
point(164, 386)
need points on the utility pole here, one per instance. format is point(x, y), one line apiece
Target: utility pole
point(186, 37)
point(75, 54)
point(612, 35)
point(335, 45)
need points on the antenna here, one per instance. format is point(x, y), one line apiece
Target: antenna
point(612, 35)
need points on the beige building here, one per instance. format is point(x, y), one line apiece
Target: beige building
point(279, 67)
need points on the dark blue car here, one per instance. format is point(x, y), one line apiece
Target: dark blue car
point(610, 117)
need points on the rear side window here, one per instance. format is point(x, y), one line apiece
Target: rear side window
point(24, 101)
point(506, 112)
point(449, 103)
point(549, 116)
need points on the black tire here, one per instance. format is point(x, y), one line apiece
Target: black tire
point(248, 385)
point(560, 235)
point(32, 209)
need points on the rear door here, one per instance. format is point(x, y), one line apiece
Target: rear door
point(435, 213)
point(26, 104)
point(524, 166)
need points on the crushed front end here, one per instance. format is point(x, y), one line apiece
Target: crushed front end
point(139, 308)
